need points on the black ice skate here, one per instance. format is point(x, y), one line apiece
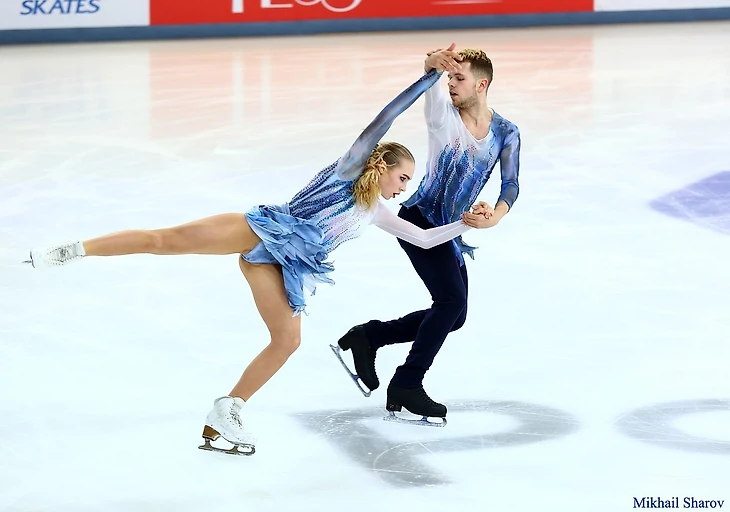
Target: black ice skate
point(363, 356)
point(415, 401)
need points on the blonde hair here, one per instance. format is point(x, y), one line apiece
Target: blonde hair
point(481, 65)
point(384, 157)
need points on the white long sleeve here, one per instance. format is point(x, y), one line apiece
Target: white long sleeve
point(423, 238)
point(437, 105)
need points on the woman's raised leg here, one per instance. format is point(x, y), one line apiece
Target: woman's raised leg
point(228, 233)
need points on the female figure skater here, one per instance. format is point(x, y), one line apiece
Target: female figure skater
point(284, 247)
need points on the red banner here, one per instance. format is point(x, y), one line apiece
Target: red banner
point(185, 12)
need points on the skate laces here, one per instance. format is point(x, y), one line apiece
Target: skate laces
point(236, 417)
point(61, 254)
point(422, 394)
point(371, 359)
point(234, 414)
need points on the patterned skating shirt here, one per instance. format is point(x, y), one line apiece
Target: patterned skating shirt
point(459, 165)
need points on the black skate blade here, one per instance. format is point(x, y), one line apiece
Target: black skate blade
point(245, 449)
point(423, 422)
point(353, 376)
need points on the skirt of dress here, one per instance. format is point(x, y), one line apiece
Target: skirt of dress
point(293, 243)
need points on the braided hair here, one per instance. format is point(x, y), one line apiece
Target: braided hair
point(384, 157)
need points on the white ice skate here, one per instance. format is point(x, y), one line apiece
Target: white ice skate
point(57, 255)
point(224, 420)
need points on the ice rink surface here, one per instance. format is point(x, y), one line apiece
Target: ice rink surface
point(593, 366)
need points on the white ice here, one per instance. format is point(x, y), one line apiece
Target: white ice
point(593, 367)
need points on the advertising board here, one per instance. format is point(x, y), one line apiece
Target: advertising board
point(41, 14)
point(183, 12)
point(657, 5)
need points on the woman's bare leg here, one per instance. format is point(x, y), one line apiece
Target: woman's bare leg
point(267, 285)
point(228, 233)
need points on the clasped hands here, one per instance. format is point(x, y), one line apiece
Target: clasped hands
point(481, 216)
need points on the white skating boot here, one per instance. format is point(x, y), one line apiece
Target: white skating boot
point(57, 255)
point(224, 420)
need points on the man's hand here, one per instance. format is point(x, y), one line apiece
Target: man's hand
point(443, 60)
point(479, 221)
point(482, 208)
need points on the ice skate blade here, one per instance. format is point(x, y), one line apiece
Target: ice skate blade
point(358, 382)
point(423, 422)
point(246, 449)
point(209, 434)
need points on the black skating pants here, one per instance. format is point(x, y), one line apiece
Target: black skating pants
point(446, 279)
